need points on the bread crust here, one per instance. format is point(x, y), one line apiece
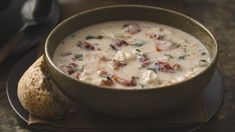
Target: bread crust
point(39, 95)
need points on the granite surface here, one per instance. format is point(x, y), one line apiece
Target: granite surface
point(218, 16)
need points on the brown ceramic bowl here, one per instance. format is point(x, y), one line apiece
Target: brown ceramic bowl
point(131, 102)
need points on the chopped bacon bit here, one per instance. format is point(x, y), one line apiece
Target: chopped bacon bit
point(120, 43)
point(70, 71)
point(133, 81)
point(104, 59)
point(163, 66)
point(144, 60)
point(166, 67)
point(146, 63)
point(72, 64)
point(116, 78)
point(128, 83)
point(107, 82)
point(117, 64)
point(80, 43)
point(165, 45)
point(132, 28)
point(71, 68)
point(86, 45)
point(103, 73)
point(77, 75)
point(176, 66)
point(158, 49)
point(154, 36)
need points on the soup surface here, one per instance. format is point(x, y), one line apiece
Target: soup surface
point(131, 54)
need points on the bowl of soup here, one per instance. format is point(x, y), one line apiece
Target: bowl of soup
point(131, 60)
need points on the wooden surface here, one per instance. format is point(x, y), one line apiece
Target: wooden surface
point(218, 16)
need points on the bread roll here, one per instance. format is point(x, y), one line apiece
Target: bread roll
point(39, 95)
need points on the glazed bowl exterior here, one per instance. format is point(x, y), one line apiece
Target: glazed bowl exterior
point(131, 102)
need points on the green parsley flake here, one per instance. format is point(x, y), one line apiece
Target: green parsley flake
point(94, 37)
point(183, 57)
point(203, 62)
point(139, 43)
point(169, 56)
point(78, 57)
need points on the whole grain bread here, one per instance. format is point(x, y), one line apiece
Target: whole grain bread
point(39, 95)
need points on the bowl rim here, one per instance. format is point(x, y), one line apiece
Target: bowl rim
point(49, 60)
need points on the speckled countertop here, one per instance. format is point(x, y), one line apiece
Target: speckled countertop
point(217, 15)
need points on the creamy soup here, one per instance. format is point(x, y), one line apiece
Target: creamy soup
point(131, 54)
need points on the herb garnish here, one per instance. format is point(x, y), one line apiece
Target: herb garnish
point(152, 68)
point(94, 37)
point(183, 57)
point(139, 43)
point(169, 56)
point(113, 47)
point(203, 53)
point(78, 57)
point(142, 85)
point(203, 62)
